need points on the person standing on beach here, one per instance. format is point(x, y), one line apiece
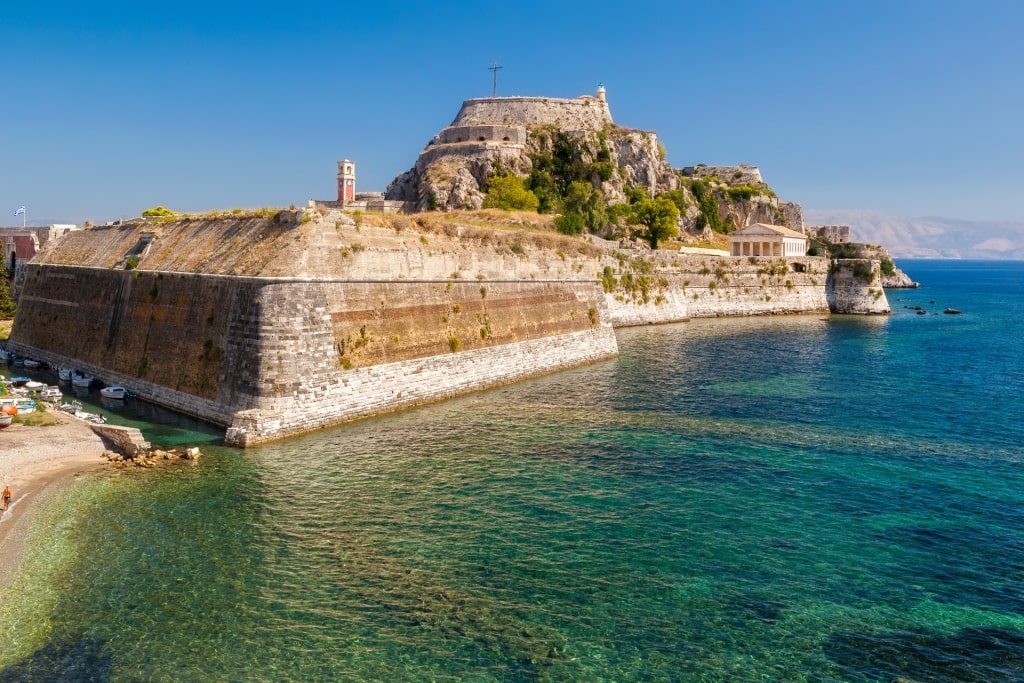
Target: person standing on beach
point(7, 496)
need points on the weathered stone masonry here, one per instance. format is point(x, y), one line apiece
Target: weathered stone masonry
point(290, 355)
point(379, 319)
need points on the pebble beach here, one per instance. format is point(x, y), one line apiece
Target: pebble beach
point(32, 458)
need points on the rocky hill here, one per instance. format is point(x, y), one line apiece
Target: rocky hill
point(551, 143)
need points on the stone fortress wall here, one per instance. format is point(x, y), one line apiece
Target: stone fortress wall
point(836, 234)
point(275, 326)
point(499, 126)
point(734, 175)
point(582, 113)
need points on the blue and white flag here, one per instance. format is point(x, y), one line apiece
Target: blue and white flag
point(19, 211)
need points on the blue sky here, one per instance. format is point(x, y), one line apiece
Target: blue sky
point(904, 106)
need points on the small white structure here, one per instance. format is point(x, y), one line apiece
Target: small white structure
point(761, 239)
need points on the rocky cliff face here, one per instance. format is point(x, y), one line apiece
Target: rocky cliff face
point(515, 135)
point(562, 140)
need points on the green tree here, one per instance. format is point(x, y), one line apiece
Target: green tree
point(570, 224)
point(542, 184)
point(6, 302)
point(507, 192)
point(658, 216)
point(586, 200)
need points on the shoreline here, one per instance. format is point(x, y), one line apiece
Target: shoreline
point(32, 460)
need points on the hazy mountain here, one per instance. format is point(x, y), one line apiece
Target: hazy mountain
point(928, 237)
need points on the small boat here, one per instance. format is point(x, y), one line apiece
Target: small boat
point(33, 385)
point(25, 405)
point(5, 355)
point(64, 374)
point(90, 417)
point(51, 393)
point(32, 363)
point(114, 392)
point(20, 381)
point(81, 380)
point(5, 420)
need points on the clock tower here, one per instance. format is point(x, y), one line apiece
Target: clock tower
point(346, 181)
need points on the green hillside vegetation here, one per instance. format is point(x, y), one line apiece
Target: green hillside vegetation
point(6, 302)
point(566, 179)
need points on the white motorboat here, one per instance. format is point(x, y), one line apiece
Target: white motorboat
point(51, 393)
point(114, 392)
point(64, 374)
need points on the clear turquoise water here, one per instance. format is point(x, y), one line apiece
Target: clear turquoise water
point(786, 499)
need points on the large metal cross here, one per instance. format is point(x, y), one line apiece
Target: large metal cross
point(495, 68)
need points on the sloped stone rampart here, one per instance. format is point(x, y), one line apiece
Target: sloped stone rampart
point(392, 386)
point(581, 113)
point(213, 346)
point(384, 319)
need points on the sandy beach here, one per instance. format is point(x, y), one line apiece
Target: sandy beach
point(32, 458)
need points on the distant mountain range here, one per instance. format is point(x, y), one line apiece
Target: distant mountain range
point(928, 237)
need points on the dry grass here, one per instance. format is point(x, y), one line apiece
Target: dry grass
point(488, 227)
point(38, 419)
point(5, 329)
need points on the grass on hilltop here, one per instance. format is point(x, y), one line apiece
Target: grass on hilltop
point(5, 329)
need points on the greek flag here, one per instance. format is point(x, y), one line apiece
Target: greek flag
point(19, 211)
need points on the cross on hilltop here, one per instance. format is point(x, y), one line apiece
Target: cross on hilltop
point(494, 93)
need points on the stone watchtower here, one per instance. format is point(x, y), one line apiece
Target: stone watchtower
point(346, 181)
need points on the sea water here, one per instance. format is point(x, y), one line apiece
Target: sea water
point(809, 498)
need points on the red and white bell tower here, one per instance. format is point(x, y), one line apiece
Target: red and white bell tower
point(346, 181)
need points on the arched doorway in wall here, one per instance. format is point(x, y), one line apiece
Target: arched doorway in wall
point(12, 264)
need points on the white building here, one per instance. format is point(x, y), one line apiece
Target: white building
point(761, 239)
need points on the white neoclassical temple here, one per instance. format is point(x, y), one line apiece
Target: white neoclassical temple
point(761, 239)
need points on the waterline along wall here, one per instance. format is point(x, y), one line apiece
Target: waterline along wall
point(276, 325)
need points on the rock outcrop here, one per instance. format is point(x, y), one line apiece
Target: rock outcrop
point(512, 134)
point(534, 137)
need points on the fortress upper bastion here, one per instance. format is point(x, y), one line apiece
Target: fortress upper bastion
point(581, 113)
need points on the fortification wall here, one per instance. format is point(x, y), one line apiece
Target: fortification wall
point(581, 113)
point(382, 318)
point(483, 133)
point(855, 286)
point(303, 353)
point(391, 386)
point(679, 287)
point(734, 175)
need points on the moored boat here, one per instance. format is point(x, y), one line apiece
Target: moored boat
point(51, 393)
point(114, 392)
point(32, 363)
point(79, 380)
point(20, 381)
point(5, 420)
point(25, 405)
